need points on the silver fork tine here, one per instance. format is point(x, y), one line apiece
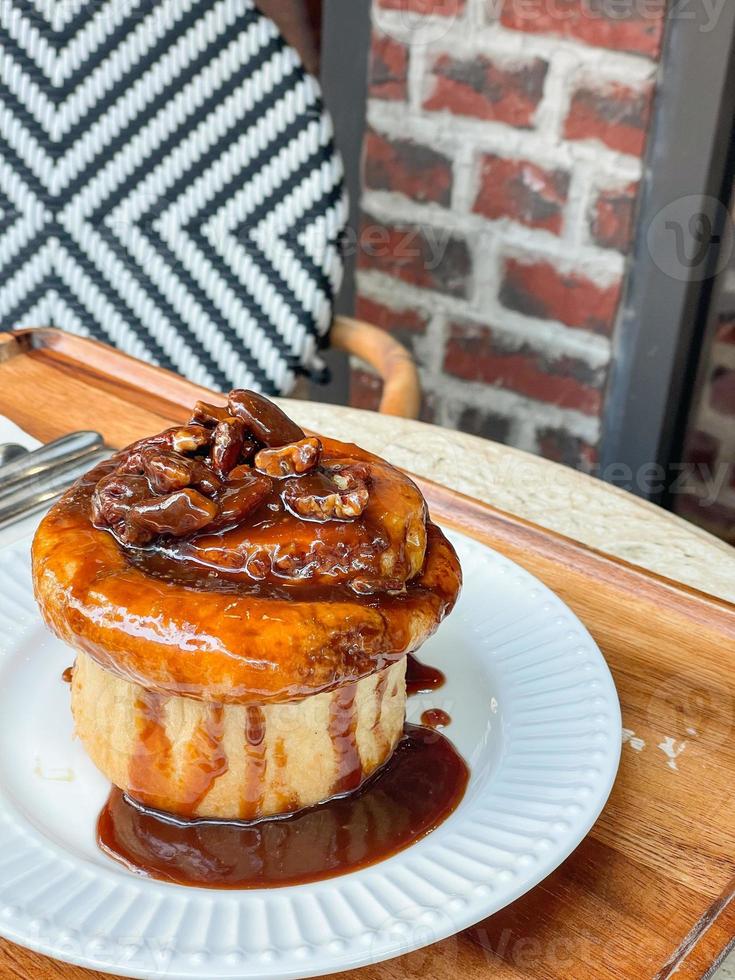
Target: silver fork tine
point(76, 445)
point(40, 490)
point(10, 451)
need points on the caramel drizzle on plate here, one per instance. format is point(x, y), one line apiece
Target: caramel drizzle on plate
point(150, 764)
point(435, 718)
point(251, 800)
point(342, 730)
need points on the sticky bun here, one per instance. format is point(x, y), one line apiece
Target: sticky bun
point(241, 597)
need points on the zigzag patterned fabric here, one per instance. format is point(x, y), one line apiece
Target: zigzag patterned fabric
point(168, 184)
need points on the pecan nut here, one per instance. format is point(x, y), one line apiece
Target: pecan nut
point(227, 444)
point(178, 514)
point(263, 419)
point(166, 472)
point(208, 415)
point(190, 438)
point(321, 497)
point(114, 494)
point(241, 498)
point(294, 459)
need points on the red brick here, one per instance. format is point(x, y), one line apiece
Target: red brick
point(541, 290)
point(390, 319)
point(505, 91)
point(701, 452)
point(615, 114)
point(563, 447)
point(716, 518)
point(365, 390)
point(611, 224)
point(488, 425)
point(388, 69)
point(426, 8)
point(474, 353)
point(629, 27)
point(408, 168)
point(522, 191)
point(405, 325)
point(726, 329)
point(722, 391)
point(427, 257)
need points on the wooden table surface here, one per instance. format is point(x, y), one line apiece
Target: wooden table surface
point(645, 844)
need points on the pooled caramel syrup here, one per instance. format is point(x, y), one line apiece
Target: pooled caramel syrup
point(68, 675)
point(421, 678)
point(417, 789)
point(435, 718)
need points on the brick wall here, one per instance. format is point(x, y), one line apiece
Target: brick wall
point(501, 169)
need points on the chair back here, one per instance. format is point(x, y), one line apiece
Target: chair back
point(168, 184)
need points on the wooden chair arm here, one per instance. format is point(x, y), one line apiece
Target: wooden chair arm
point(401, 385)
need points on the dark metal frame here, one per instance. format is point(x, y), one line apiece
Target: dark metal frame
point(662, 324)
point(344, 75)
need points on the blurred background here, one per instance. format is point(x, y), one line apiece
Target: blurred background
point(540, 211)
point(542, 193)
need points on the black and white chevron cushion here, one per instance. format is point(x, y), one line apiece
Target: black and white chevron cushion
point(168, 184)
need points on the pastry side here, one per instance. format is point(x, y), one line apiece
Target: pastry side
point(241, 597)
point(237, 762)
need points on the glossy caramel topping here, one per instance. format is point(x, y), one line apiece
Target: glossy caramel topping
point(243, 583)
point(420, 786)
point(235, 495)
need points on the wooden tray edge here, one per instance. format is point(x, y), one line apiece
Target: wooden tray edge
point(466, 514)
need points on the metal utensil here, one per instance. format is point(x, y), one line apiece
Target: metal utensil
point(41, 489)
point(10, 451)
point(77, 445)
point(30, 483)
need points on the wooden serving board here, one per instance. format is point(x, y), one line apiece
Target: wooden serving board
point(651, 891)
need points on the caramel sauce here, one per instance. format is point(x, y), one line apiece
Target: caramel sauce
point(417, 789)
point(206, 760)
point(422, 678)
point(435, 718)
point(252, 792)
point(150, 763)
point(269, 606)
point(68, 675)
point(342, 730)
point(380, 692)
point(287, 801)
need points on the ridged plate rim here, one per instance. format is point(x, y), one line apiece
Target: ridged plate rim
point(430, 891)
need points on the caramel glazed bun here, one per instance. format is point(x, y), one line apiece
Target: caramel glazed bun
point(241, 598)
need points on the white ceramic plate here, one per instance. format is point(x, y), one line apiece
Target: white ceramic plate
point(535, 714)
